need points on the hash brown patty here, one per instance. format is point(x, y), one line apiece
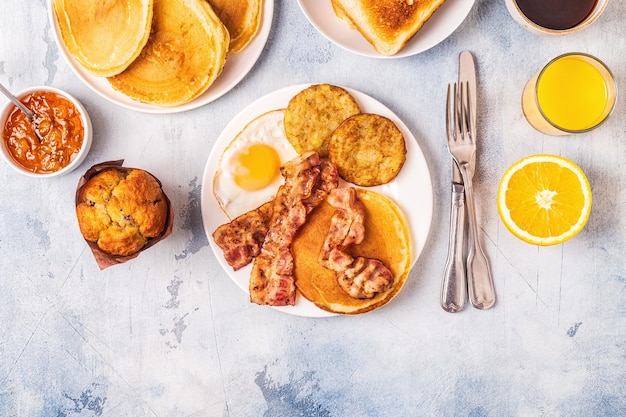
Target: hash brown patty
point(314, 113)
point(368, 149)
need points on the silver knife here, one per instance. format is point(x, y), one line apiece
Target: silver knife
point(467, 76)
point(454, 283)
point(479, 281)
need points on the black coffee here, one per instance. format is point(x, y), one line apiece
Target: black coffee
point(556, 14)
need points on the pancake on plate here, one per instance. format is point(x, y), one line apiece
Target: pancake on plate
point(184, 55)
point(387, 238)
point(242, 19)
point(104, 36)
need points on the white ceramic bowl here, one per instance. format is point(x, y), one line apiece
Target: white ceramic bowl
point(87, 139)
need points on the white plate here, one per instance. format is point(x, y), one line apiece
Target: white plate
point(236, 67)
point(411, 189)
point(442, 23)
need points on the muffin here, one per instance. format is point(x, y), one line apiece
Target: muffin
point(121, 210)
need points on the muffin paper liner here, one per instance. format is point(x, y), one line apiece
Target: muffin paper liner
point(104, 259)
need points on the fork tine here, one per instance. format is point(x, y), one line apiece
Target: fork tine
point(449, 115)
point(462, 110)
point(458, 113)
point(468, 128)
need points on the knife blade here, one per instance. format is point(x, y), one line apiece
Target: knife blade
point(479, 280)
point(467, 78)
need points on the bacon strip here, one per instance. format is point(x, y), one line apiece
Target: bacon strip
point(307, 182)
point(327, 181)
point(361, 277)
point(242, 238)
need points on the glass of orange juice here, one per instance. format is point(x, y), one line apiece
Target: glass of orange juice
point(573, 93)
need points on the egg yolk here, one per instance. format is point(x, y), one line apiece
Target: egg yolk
point(257, 168)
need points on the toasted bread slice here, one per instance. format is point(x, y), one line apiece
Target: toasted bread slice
point(387, 24)
point(341, 14)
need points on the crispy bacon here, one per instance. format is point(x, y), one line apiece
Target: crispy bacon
point(327, 181)
point(307, 180)
point(360, 277)
point(242, 238)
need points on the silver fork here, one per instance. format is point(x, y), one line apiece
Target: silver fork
point(462, 146)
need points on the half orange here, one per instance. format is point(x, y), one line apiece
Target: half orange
point(544, 199)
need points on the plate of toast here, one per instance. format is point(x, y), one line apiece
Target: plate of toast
point(410, 192)
point(132, 90)
point(392, 29)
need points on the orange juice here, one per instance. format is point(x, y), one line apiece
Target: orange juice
point(573, 92)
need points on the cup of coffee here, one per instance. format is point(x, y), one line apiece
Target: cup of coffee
point(555, 17)
point(573, 93)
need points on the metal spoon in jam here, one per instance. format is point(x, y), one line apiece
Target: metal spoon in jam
point(34, 118)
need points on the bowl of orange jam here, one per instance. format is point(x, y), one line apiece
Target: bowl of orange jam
point(64, 139)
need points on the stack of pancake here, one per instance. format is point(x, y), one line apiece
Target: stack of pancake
point(161, 52)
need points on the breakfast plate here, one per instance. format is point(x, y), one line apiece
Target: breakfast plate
point(236, 68)
point(411, 189)
point(442, 24)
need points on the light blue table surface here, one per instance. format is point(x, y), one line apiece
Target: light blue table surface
point(169, 334)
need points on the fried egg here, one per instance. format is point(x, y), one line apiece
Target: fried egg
point(248, 172)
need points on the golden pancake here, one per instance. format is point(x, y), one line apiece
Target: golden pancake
point(242, 19)
point(387, 239)
point(186, 52)
point(106, 36)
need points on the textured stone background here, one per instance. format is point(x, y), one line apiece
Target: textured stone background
point(170, 335)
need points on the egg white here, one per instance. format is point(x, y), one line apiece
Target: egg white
point(267, 129)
